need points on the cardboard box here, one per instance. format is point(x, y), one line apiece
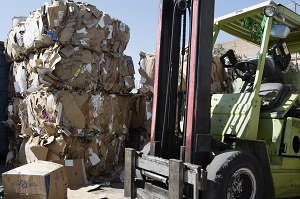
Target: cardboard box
point(37, 180)
point(75, 171)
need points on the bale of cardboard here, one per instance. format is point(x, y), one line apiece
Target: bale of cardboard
point(67, 22)
point(74, 68)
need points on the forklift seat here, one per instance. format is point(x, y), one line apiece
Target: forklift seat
point(272, 95)
point(272, 73)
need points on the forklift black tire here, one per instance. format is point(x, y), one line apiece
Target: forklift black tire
point(234, 175)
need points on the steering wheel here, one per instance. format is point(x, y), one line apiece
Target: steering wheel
point(245, 70)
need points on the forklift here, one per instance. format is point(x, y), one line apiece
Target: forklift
point(241, 145)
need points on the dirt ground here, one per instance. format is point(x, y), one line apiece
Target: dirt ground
point(113, 191)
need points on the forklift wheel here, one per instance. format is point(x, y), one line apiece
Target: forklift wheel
point(234, 175)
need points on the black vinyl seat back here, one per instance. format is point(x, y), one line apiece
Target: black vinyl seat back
point(272, 72)
point(280, 54)
point(273, 90)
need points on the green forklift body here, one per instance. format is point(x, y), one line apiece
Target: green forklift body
point(240, 114)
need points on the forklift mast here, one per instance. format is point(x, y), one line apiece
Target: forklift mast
point(196, 147)
point(176, 165)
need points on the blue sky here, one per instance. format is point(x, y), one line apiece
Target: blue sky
point(140, 15)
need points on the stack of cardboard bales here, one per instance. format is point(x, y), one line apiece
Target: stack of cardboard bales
point(220, 81)
point(70, 86)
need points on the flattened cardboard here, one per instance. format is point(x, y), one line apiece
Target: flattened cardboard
point(52, 156)
point(75, 171)
point(57, 146)
point(32, 142)
point(40, 152)
point(38, 180)
point(55, 15)
point(50, 128)
point(72, 111)
point(138, 112)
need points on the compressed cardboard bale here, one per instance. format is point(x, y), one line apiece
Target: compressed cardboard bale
point(79, 113)
point(41, 179)
point(120, 36)
point(109, 113)
point(66, 22)
point(117, 73)
point(66, 57)
point(78, 68)
point(147, 66)
point(67, 65)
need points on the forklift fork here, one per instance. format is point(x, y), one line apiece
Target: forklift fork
point(175, 173)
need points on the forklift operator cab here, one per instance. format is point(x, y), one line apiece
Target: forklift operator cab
point(262, 118)
point(272, 89)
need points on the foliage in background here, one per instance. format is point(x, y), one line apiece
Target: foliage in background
point(255, 29)
point(219, 50)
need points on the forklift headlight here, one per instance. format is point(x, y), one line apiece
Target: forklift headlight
point(270, 11)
